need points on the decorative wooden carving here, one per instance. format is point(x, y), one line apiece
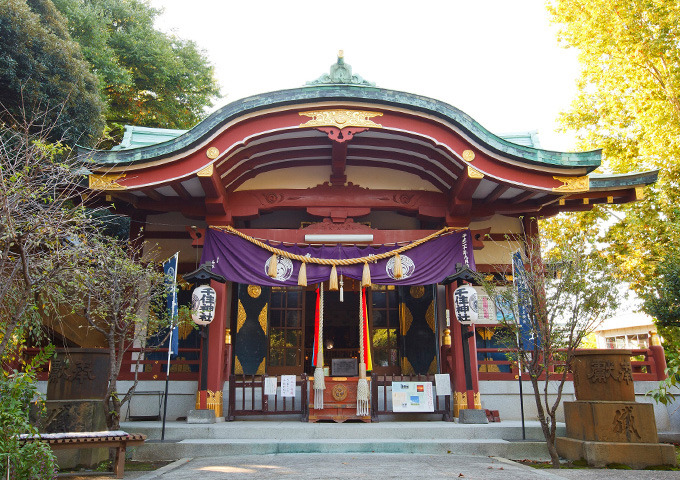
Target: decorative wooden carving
point(106, 182)
point(327, 225)
point(341, 135)
point(573, 184)
point(341, 118)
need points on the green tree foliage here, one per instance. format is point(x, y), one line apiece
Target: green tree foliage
point(149, 78)
point(18, 392)
point(42, 228)
point(42, 68)
point(628, 104)
point(121, 297)
point(662, 301)
point(569, 288)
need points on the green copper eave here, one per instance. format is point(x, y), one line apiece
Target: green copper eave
point(620, 180)
point(343, 93)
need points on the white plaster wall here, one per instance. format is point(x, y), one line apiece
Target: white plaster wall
point(367, 177)
point(497, 252)
point(495, 395)
point(504, 397)
point(165, 248)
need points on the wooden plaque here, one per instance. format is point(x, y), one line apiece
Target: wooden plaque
point(344, 367)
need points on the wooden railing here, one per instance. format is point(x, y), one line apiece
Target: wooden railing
point(155, 368)
point(382, 384)
point(148, 369)
point(246, 397)
point(648, 365)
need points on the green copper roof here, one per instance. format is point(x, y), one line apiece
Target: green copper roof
point(136, 137)
point(344, 93)
point(341, 73)
point(614, 180)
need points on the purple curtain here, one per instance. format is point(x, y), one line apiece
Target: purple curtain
point(239, 260)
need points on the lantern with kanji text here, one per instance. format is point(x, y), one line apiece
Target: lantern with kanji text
point(203, 305)
point(465, 304)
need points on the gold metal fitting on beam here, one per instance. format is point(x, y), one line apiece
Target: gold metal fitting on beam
point(212, 153)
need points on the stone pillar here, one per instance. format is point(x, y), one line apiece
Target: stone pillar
point(76, 387)
point(605, 425)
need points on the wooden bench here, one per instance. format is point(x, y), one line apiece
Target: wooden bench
point(117, 439)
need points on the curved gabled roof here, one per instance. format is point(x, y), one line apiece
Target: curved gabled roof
point(467, 126)
point(342, 122)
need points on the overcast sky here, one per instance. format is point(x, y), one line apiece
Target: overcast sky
point(497, 60)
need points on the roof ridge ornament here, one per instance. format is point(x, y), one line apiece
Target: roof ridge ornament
point(341, 73)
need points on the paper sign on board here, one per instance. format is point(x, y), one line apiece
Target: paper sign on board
point(270, 384)
point(412, 397)
point(442, 382)
point(288, 385)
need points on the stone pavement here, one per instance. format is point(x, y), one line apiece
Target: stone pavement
point(375, 466)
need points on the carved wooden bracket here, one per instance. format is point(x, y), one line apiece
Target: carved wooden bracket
point(341, 135)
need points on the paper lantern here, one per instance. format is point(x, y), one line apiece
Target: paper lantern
point(465, 304)
point(203, 305)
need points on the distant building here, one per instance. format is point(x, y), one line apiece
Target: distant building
point(627, 330)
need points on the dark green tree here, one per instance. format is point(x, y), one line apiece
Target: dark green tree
point(43, 69)
point(662, 301)
point(149, 78)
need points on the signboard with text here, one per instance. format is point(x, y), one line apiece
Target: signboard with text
point(412, 397)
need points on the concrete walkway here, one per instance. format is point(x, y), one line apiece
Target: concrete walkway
point(375, 466)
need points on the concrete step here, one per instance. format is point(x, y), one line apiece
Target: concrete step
point(253, 437)
point(292, 430)
point(192, 448)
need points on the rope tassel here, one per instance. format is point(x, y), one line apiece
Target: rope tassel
point(302, 275)
point(273, 264)
point(362, 392)
point(362, 383)
point(333, 280)
point(366, 276)
point(397, 267)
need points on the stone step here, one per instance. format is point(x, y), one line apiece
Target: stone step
point(294, 430)
point(192, 448)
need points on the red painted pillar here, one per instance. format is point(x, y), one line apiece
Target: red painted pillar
point(474, 397)
point(460, 391)
point(216, 347)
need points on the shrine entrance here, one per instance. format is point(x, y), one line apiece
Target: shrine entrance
point(274, 329)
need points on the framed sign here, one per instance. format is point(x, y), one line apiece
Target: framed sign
point(412, 397)
point(344, 367)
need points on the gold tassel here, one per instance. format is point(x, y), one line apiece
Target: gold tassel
point(333, 281)
point(272, 266)
point(302, 276)
point(366, 277)
point(397, 266)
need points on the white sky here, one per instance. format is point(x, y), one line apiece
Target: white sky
point(497, 60)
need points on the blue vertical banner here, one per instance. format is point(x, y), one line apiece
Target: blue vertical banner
point(170, 270)
point(528, 338)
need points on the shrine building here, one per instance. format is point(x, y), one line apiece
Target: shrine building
point(352, 185)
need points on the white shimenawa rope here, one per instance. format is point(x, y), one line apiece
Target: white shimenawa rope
point(319, 381)
point(362, 384)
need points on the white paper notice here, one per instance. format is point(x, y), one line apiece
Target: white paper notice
point(270, 385)
point(412, 397)
point(288, 385)
point(442, 381)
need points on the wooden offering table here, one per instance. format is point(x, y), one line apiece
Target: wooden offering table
point(339, 400)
